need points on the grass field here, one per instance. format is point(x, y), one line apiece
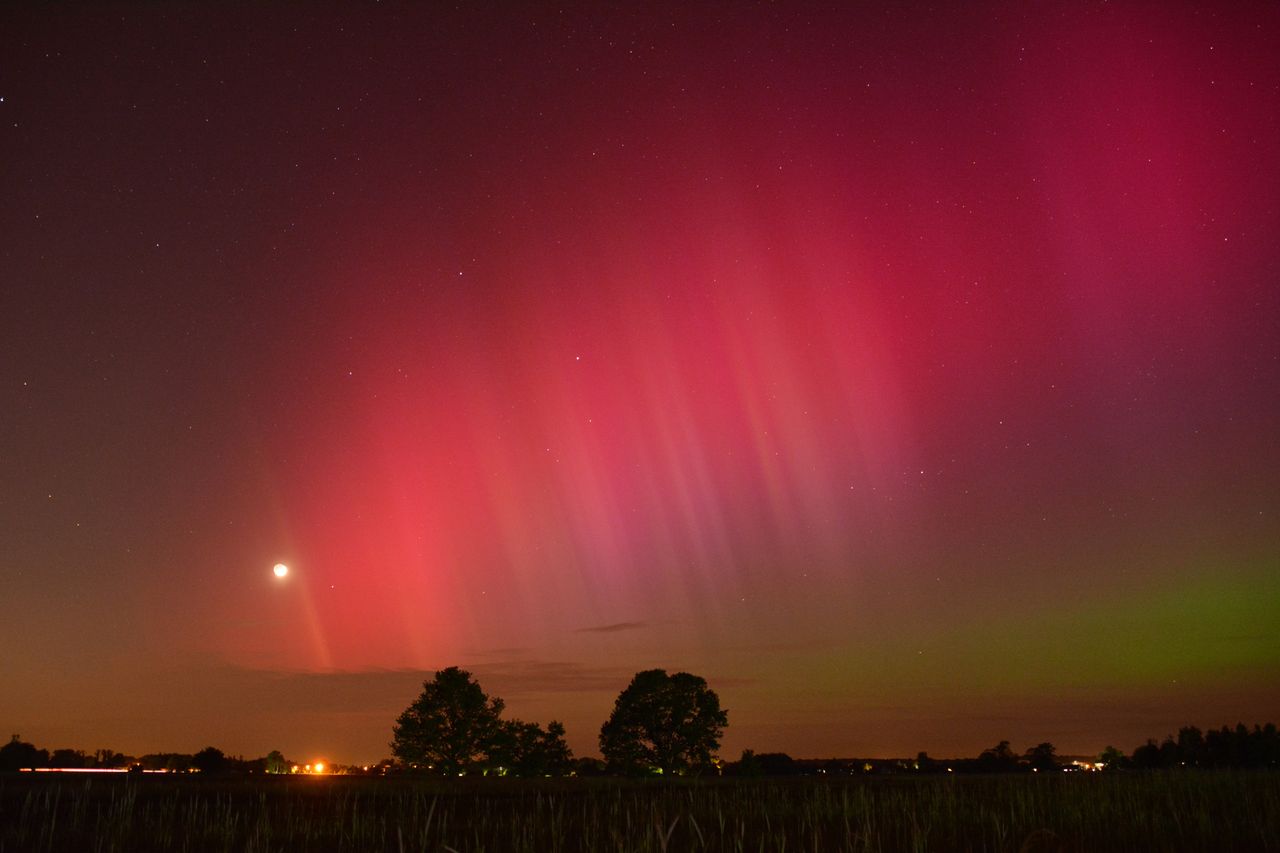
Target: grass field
point(1216, 811)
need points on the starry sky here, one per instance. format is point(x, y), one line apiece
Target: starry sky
point(909, 372)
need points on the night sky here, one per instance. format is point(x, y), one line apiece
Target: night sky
point(910, 373)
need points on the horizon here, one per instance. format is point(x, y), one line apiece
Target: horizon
point(910, 374)
point(1064, 758)
point(728, 752)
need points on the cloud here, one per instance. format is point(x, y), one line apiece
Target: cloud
point(614, 628)
point(376, 690)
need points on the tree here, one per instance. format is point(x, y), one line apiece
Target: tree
point(998, 759)
point(17, 754)
point(747, 765)
point(664, 723)
point(111, 758)
point(1147, 756)
point(527, 749)
point(276, 762)
point(763, 764)
point(1042, 757)
point(1191, 747)
point(68, 758)
point(588, 767)
point(1113, 759)
point(210, 760)
point(453, 726)
point(776, 764)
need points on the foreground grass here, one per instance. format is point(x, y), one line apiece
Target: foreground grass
point(1161, 811)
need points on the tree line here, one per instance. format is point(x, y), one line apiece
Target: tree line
point(661, 723)
point(18, 754)
point(1224, 747)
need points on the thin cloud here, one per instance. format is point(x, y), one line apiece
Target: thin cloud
point(614, 628)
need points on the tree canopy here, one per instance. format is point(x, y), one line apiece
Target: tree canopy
point(1043, 757)
point(667, 723)
point(998, 759)
point(210, 760)
point(455, 727)
point(527, 749)
point(452, 726)
point(17, 754)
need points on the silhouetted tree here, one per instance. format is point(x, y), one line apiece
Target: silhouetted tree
point(210, 760)
point(276, 762)
point(1042, 757)
point(1268, 744)
point(925, 764)
point(240, 764)
point(1113, 759)
point(1228, 746)
point(998, 759)
point(668, 723)
point(17, 754)
point(777, 764)
point(589, 767)
point(1191, 746)
point(526, 749)
point(174, 762)
point(69, 758)
point(763, 764)
point(452, 726)
point(1147, 756)
point(111, 758)
point(1240, 746)
point(747, 765)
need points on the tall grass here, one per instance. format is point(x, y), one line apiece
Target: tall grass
point(1161, 811)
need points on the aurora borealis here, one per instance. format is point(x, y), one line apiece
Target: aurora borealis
point(911, 374)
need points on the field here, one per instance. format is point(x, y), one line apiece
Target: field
point(1159, 811)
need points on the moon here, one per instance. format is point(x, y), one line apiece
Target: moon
point(280, 570)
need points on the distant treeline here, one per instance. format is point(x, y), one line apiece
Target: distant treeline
point(1227, 747)
point(20, 755)
point(1224, 747)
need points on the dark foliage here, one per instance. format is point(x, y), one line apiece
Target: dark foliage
point(998, 759)
point(527, 749)
point(664, 723)
point(1225, 747)
point(455, 727)
point(17, 754)
point(70, 758)
point(763, 764)
point(452, 727)
point(275, 762)
point(1042, 757)
point(174, 762)
point(210, 760)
